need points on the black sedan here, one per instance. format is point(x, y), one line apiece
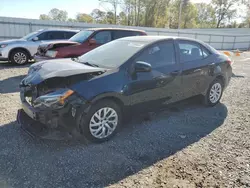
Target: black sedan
point(92, 93)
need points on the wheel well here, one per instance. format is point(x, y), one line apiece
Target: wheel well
point(24, 49)
point(221, 78)
point(114, 99)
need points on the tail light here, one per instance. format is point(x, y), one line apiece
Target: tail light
point(143, 34)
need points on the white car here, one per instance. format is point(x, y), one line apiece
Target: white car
point(20, 51)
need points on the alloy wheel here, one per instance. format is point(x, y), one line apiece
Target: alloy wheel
point(103, 123)
point(20, 58)
point(215, 93)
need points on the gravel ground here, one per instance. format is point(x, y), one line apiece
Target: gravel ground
point(189, 146)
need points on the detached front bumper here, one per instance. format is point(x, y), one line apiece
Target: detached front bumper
point(55, 125)
point(50, 124)
point(37, 129)
point(39, 58)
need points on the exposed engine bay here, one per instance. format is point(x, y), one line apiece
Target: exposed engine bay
point(52, 84)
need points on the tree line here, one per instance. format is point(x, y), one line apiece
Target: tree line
point(164, 14)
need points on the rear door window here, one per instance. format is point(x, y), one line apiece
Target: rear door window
point(205, 52)
point(43, 36)
point(103, 37)
point(51, 35)
point(191, 51)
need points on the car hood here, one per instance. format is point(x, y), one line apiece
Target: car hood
point(44, 70)
point(12, 41)
point(55, 44)
point(44, 47)
point(58, 42)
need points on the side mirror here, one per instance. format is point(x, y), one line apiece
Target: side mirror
point(92, 41)
point(35, 39)
point(141, 66)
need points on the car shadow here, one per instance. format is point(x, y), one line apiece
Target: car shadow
point(237, 76)
point(30, 162)
point(11, 84)
point(8, 65)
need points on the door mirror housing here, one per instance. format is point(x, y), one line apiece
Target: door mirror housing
point(141, 66)
point(92, 42)
point(35, 39)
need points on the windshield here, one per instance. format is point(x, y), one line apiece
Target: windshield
point(30, 35)
point(112, 54)
point(81, 36)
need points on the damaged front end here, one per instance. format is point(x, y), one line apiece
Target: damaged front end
point(43, 48)
point(48, 51)
point(50, 106)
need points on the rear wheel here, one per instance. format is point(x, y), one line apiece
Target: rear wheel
point(102, 121)
point(214, 93)
point(19, 57)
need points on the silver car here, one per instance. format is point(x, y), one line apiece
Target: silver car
point(20, 51)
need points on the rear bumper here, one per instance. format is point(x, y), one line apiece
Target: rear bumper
point(227, 77)
point(39, 58)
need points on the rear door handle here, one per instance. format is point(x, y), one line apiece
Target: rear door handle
point(161, 77)
point(175, 73)
point(197, 70)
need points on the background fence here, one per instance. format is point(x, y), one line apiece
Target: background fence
point(222, 39)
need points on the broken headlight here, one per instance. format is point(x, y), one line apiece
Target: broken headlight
point(54, 100)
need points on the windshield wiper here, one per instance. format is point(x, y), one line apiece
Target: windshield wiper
point(90, 64)
point(76, 59)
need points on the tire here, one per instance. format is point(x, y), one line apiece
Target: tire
point(90, 131)
point(211, 99)
point(19, 57)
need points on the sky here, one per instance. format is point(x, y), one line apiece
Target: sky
point(33, 8)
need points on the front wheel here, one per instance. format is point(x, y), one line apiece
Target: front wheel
point(19, 57)
point(102, 121)
point(214, 93)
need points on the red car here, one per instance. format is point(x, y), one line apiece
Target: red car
point(82, 42)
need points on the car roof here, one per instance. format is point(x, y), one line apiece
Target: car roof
point(115, 29)
point(152, 39)
point(59, 29)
